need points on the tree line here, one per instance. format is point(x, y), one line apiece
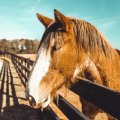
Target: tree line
point(19, 46)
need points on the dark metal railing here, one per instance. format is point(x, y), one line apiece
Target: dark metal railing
point(101, 96)
point(69, 110)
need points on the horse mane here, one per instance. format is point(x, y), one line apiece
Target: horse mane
point(90, 39)
point(118, 51)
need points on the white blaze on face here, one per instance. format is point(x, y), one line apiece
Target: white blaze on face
point(39, 71)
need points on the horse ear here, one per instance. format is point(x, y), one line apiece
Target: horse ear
point(62, 19)
point(44, 20)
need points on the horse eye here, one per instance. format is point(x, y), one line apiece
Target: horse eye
point(58, 43)
point(58, 46)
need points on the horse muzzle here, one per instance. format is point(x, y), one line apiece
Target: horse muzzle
point(44, 103)
point(41, 104)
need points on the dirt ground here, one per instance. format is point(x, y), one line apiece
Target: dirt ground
point(70, 96)
point(13, 103)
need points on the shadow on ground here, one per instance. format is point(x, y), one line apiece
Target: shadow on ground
point(17, 111)
point(21, 112)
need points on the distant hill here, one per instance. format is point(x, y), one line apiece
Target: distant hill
point(18, 46)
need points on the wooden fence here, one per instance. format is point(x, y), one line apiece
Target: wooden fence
point(21, 64)
point(102, 97)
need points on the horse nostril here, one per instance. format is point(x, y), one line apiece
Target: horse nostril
point(46, 99)
point(32, 101)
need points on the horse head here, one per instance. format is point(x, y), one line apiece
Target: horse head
point(56, 59)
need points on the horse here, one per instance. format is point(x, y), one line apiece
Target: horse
point(70, 47)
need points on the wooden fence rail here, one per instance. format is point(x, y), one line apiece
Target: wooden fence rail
point(69, 110)
point(21, 64)
point(101, 96)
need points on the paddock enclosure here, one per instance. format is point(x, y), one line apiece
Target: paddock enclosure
point(14, 106)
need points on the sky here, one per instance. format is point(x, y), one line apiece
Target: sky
point(18, 17)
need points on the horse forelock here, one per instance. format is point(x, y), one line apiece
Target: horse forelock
point(45, 34)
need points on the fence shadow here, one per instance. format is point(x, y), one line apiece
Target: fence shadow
point(20, 73)
point(8, 91)
point(15, 99)
point(21, 112)
point(7, 88)
point(2, 76)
